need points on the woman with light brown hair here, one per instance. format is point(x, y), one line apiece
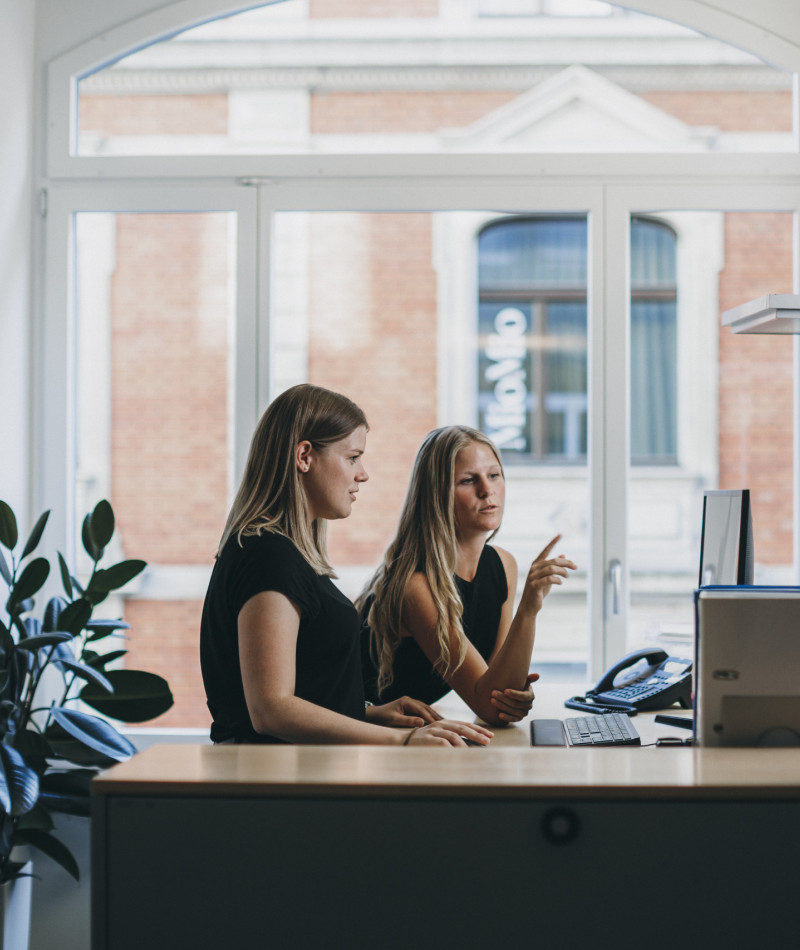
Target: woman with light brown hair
point(279, 643)
point(439, 612)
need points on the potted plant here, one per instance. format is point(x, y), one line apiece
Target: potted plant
point(50, 665)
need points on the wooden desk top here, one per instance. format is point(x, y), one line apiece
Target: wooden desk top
point(501, 773)
point(508, 769)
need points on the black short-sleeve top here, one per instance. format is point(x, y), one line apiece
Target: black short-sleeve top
point(414, 675)
point(328, 666)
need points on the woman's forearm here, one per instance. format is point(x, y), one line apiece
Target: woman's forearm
point(299, 721)
point(507, 668)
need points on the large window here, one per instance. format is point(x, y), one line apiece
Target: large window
point(529, 221)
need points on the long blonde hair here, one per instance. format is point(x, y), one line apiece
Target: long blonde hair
point(425, 541)
point(271, 496)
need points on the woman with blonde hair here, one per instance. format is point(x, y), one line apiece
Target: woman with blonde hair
point(279, 643)
point(439, 611)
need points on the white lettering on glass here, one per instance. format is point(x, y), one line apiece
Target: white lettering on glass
point(504, 419)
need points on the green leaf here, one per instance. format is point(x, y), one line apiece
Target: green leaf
point(99, 661)
point(30, 580)
point(100, 629)
point(86, 740)
point(69, 781)
point(52, 847)
point(67, 804)
point(5, 570)
point(44, 640)
point(52, 613)
point(19, 784)
point(88, 540)
point(33, 627)
point(8, 527)
point(68, 791)
point(117, 576)
point(6, 640)
point(109, 625)
point(33, 747)
point(66, 580)
point(86, 673)
point(101, 523)
point(35, 535)
point(75, 616)
point(138, 696)
point(38, 817)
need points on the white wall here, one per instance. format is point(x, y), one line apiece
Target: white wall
point(16, 113)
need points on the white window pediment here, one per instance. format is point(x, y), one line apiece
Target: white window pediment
point(579, 110)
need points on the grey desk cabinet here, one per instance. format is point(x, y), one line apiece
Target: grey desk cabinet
point(304, 848)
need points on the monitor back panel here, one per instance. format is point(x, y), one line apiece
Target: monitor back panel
point(747, 667)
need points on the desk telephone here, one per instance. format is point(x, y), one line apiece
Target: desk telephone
point(645, 679)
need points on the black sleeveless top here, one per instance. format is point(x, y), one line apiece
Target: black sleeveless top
point(414, 676)
point(328, 669)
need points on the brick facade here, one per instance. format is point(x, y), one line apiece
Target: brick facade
point(756, 382)
point(380, 349)
point(728, 111)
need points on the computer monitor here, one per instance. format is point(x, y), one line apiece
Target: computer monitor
point(726, 544)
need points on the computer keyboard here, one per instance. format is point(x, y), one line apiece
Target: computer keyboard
point(608, 729)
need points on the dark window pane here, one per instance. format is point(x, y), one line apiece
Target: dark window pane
point(654, 430)
point(652, 255)
point(565, 379)
point(528, 254)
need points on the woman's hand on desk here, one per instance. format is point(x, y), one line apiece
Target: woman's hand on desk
point(448, 732)
point(515, 704)
point(402, 712)
point(428, 727)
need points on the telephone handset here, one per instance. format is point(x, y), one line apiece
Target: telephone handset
point(645, 679)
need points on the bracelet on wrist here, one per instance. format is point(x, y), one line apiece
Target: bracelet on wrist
point(408, 737)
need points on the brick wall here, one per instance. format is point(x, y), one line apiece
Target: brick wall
point(164, 639)
point(154, 115)
point(170, 380)
point(358, 113)
point(755, 382)
point(373, 337)
point(170, 426)
point(728, 111)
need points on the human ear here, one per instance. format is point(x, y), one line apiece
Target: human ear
point(302, 455)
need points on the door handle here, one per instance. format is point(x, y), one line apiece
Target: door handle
point(615, 579)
